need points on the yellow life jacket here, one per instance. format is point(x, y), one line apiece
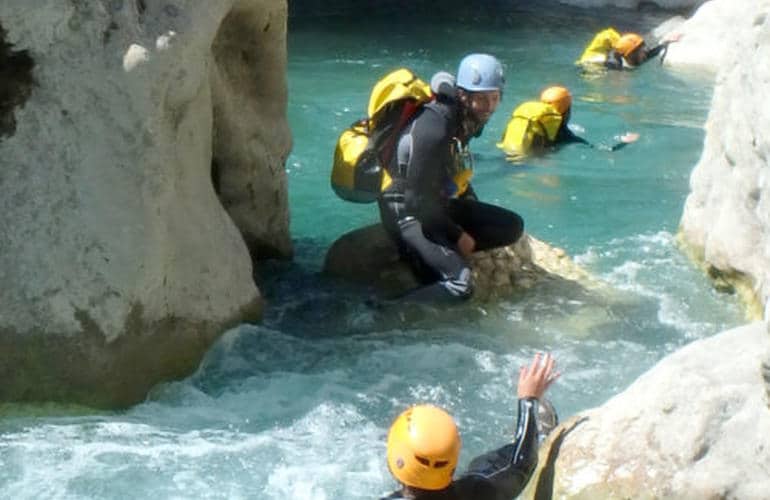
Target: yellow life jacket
point(600, 47)
point(363, 152)
point(460, 170)
point(532, 124)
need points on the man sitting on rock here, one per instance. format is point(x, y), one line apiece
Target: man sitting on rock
point(430, 209)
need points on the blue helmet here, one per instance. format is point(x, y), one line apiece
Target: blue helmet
point(480, 72)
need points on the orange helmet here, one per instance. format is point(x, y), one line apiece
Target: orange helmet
point(423, 447)
point(558, 97)
point(628, 43)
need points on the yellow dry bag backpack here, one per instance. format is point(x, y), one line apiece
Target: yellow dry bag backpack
point(533, 124)
point(600, 47)
point(364, 149)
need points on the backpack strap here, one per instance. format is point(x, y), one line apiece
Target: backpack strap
point(386, 154)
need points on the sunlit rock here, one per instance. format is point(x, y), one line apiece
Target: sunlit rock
point(367, 256)
point(709, 36)
point(134, 56)
point(119, 264)
point(726, 220)
point(697, 425)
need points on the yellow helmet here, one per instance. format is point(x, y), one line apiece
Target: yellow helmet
point(628, 43)
point(558, 97)
point(423, 446)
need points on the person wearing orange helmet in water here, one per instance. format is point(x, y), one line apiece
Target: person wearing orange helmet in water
point(424, 444)
point(537, 125)
point(612, 50)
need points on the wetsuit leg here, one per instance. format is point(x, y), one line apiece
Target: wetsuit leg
point(454, 274)
point(434, 263)
point(491, 226)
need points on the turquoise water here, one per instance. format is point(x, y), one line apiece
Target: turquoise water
point(298, 406)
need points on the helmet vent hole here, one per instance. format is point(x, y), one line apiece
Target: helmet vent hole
point(440, 463)
point(424, 461)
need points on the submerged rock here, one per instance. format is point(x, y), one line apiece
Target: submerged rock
point(119, 264)
point(697, 425)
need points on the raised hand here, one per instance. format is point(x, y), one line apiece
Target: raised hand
point(536, 378)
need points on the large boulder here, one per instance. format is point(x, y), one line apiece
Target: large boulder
point(726, 219)
point(119, 264)
point(696, 425)
point(369, 257)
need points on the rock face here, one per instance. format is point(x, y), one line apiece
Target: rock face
point(633, 4)
point(16, 83)
point(367, 256)
point(658, 439)
point(119, 264)
point(726, 220)
point(707, 31)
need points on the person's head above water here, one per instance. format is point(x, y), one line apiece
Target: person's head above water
point(423, 448)
point(631, 47)
point(480, 83)
point(558, 97)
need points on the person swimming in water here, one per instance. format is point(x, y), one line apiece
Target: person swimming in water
point(536, 126)
point(611, 50)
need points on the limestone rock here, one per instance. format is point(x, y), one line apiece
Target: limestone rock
point(367, 256)
point(141, 119)
point(697, 425)
point(709, 36)
point(726, 219)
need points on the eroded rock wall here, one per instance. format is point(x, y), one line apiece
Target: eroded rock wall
point(119, 264)
point(726, 219)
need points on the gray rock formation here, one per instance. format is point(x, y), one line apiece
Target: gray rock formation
point(633, 4)
point(119, 264)
point(726, 220)
point(697, 425)
point(367, 256)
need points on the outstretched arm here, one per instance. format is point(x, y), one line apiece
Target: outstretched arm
point(504, 472)
point(663, 45)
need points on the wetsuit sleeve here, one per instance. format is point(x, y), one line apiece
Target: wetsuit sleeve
point(503, 473)
point(616, 146)
point(426, 174)
point(656, 50)
point(566, 136)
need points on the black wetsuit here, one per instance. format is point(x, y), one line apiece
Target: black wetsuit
point(496, 475)
point(566, 136)
point(420, 214)
point(615, 58)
